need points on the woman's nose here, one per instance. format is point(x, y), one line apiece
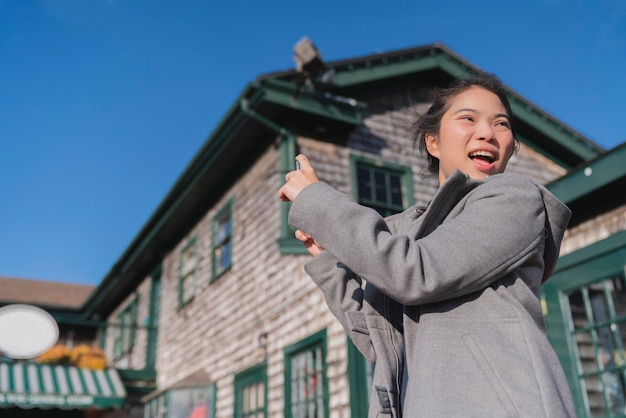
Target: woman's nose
point(485, 131)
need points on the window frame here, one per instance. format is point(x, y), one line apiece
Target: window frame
point(404, 172)
point(254, 375)
point(313, 342)
point(125, 329)
point(599, 328)
point(162, 402)
point(227, 209)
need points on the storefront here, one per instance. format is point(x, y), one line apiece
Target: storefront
point(31, 386)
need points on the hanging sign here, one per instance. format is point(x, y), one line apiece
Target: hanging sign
point(26, 331)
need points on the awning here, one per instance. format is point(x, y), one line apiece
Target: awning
point(29, 385)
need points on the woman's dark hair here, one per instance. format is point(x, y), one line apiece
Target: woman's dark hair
point(430, 122)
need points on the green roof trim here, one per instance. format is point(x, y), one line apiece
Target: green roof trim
point(554, 130)
point(591, 176)
point(285, 94)
point(599, 260)
point(349, 74)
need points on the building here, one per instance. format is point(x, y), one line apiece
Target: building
point(68, 382)
point(209, 308)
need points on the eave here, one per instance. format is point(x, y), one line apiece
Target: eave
point(594, 187)
point(407, 69)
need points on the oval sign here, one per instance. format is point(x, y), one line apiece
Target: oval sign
point(26, 331)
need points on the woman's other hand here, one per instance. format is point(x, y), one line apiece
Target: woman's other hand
point(298, 180)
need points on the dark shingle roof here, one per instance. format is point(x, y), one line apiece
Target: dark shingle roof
point(43, 293)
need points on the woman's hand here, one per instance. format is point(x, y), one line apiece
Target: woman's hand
point(309, 243)
point(298, 180)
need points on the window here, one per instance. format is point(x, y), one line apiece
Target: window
point(194, 402)
point(124, 329)
point(597, 317)
point(156, 408)
point(306, 387)
point(222, 243)
point(187, 272)
point(251, 393)
point(385, 187)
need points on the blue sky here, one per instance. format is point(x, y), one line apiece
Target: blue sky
point(103, 103)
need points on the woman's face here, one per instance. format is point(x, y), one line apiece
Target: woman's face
point(474, 136)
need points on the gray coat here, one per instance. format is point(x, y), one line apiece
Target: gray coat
point(449, 311)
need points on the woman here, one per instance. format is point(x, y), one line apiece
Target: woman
point(450, 311)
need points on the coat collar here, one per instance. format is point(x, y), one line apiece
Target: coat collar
point(446, 198)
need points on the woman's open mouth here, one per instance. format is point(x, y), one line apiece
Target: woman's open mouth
point(482, 158)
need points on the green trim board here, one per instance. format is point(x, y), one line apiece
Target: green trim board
point(30, 385)
point(312, 102)
point(358, 379)
point(606, 169)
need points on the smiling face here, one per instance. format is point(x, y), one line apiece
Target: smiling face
point(474, 136)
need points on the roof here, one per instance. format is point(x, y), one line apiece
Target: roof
point(407, 69)
point(43, 293)
point(327, 105)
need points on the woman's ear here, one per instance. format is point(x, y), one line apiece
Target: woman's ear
point(431, 145)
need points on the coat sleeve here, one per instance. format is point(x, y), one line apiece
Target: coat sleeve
point(357, 305)
point(344, 295)
point(497, 227)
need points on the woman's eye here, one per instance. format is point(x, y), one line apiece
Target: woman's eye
point(504, 123)
point(468, 118)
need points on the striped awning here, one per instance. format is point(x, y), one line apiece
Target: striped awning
point(29, 385)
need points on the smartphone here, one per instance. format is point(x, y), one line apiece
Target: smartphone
point(297, 165)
